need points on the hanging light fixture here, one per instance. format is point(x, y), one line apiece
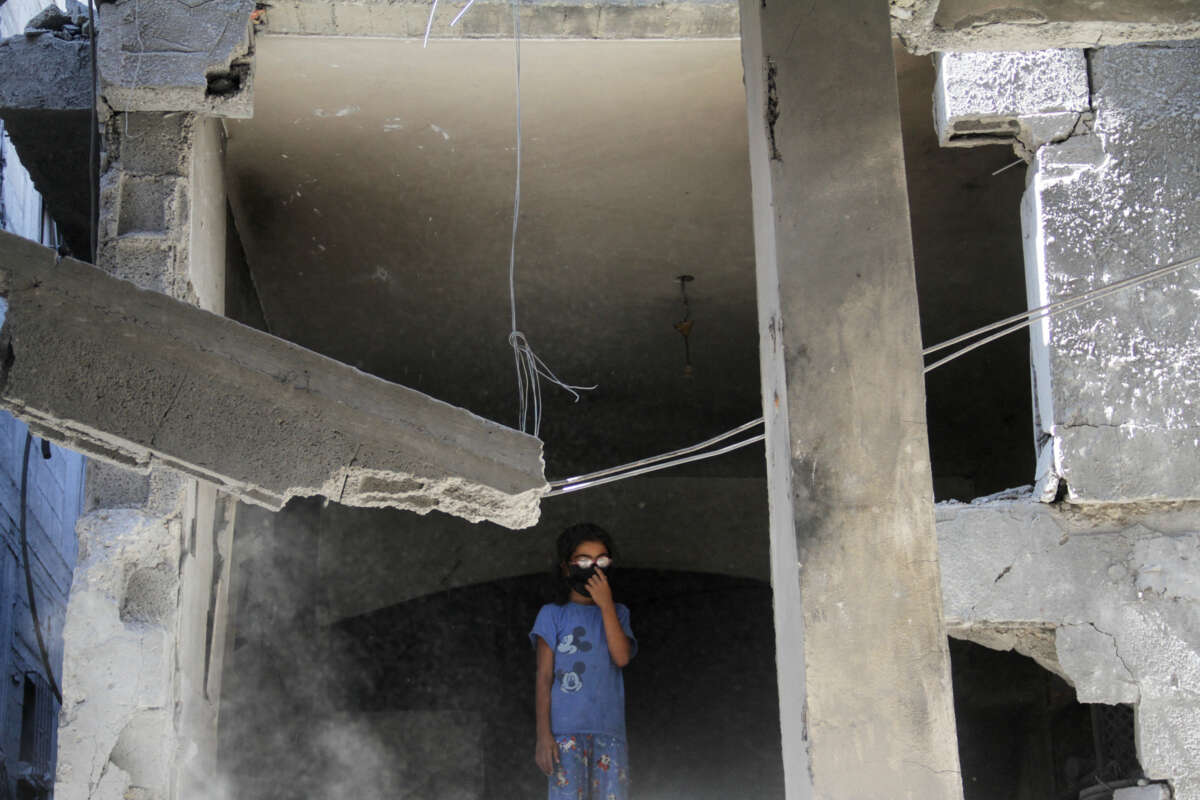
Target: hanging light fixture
point(684, 326)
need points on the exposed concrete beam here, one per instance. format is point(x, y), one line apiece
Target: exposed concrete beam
point(926, 26)
point(134, 377)
point(492, 19)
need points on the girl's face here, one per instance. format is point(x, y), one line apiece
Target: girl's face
point(595, 552)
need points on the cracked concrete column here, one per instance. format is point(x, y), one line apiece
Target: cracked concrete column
point(863, 667)
point(1116, 379)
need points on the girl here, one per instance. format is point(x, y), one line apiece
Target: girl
point(583, 641)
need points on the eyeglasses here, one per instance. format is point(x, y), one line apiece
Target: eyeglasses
point(587, 562)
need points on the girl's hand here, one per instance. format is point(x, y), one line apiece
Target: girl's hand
point(599, 589)
point(546, 754)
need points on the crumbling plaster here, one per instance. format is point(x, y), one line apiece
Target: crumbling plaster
point(1114, 588)
point(142, 670)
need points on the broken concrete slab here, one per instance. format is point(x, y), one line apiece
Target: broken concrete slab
point(45, 102)
point(136, 378)
point(44, 73)
point(1030, 98)
point(1114, 584)
point(187, 56)
point(927, 26)
point(1115, 379)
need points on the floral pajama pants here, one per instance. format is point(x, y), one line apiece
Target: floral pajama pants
point(590, 767)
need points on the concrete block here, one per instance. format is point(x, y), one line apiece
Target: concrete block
point(1033, 97)
point(1116, 378)
point(188, 56)
point(136, 378)
point(152, 143)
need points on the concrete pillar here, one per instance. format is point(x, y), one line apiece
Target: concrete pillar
point(1115, 380)
point(863, 666)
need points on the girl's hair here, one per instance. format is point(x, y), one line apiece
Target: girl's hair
point(568, 540)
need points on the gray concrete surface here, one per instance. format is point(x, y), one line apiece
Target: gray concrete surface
point(541, 19)
point(863, 667)
point(1115, 380)
point(927, 26)
point(1116, 588)
point(1030, 97)
point(184, 56)
point(45, 99)
point(166, 376)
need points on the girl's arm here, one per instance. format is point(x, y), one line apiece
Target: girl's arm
point(546, 751)
point(619, 648)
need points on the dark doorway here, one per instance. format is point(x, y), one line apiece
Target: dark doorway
point(1023, 735)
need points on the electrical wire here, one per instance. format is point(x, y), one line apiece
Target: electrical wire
point(655, 459)
point(529, 366)
point(1027, 318)
point(531, 370)
point(1008, 325)
point(574, 487)
point(37, 624)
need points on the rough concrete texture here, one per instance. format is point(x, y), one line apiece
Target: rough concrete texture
point(266, 419)
point(864, 673)
point(44, 102)
point(143, 229)
point(1117, 588)
point(1115, 380)
point(144, 640)
point(541, 19)
point(1030, 97)
point(926, 26)
point(177, 56)
point(44, 73)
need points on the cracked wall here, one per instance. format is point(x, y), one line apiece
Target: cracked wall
point(1101, 588)
point(1116, 378)
point(1106, 597)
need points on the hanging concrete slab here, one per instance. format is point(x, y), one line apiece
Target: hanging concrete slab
point(136, 378)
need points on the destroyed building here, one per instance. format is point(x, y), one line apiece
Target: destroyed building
point(266, 476)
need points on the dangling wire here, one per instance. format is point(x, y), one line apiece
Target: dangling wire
point(530, 367)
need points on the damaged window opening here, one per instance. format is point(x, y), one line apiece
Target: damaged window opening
point(1023, 735)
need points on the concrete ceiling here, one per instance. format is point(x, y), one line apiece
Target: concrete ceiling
point(373, 190)
point(373, 193)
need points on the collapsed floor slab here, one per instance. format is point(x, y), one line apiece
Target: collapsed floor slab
point(137, 378)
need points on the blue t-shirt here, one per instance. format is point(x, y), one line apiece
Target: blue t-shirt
point(588, 693)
